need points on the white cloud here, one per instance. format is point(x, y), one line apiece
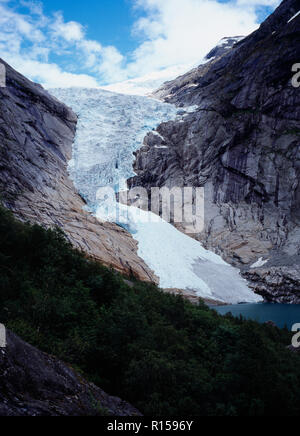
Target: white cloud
point(27, 42)
point(55, 52)
point(111, 64)
point(51, 75)
point(182, 31)
point(70, 31)
point(270, 3)
point(92, 50)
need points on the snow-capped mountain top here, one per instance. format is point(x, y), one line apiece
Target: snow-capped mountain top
point(191, 77)
point(230, 40)
point(223, 45)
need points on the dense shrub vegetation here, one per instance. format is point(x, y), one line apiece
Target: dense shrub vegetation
point(161, 353)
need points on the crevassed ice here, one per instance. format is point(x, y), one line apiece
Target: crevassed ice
point(110, 128)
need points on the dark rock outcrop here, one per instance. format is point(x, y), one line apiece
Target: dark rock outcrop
point(36, 136)
point(242, 145)
point(276, 283)
point(33, 383)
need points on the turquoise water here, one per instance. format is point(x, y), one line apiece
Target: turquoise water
point(281, 314)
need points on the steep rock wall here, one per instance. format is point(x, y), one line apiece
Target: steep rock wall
point(36, 136)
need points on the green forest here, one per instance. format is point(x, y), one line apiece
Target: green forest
point(164, 355)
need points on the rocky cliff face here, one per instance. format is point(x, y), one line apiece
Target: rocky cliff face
point(242, 145)
point(36, 136)
point(33, 383)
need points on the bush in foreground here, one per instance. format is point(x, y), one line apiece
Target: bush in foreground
point(160, 352)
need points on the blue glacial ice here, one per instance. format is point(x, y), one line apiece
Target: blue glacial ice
point(110, 128)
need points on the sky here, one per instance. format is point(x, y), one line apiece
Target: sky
point(92, 43)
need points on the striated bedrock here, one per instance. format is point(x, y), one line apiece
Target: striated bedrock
point(36, 136)
point(33, 383)
point(242, 144)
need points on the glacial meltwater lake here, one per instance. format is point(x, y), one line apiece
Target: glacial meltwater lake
point(281, 314)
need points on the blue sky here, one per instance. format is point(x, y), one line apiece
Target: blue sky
point(108, 21)
point(98, 42)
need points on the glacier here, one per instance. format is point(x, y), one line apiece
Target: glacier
point(110, 128)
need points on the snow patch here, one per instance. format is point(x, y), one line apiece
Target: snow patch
point(227, 41)
point(261, 262)
point(191, 109)
point(192, 85)
point(296, 15)
point(155, 132)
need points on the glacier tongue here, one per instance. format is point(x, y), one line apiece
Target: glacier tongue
point(180, 261)
point(110, 128)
